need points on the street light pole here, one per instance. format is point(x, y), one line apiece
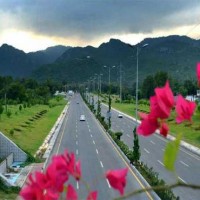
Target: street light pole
point(120, 84)
point(136, 91)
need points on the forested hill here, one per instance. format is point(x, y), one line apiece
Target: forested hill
point(17, 63)
point(176, 55)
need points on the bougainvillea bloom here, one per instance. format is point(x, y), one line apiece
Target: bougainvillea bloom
point(198, 73)
point(165, 99)
point(92, 195)
point(117, 179)
point(71, 193)
point(184, 109)
point(148, 125)
point(164, 129)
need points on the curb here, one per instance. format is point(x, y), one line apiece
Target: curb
point(183, 144)
point(54, 134)
point(142, 179)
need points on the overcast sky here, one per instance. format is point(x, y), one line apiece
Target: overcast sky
point(32, 25)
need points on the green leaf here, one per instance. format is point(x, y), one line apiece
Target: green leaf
point(171, 152)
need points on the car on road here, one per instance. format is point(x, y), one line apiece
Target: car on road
point(120, 115)
point(77, 102)
point(82, 118)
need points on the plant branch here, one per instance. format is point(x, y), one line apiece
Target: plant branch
point(156, 188)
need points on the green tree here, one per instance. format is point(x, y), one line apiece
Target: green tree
point(136, 147)
point(160, 78)
point(148, 86)
point(20, 107)
point(1, 110)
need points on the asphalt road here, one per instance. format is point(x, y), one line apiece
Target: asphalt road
point(95, 150)
point(152, 148)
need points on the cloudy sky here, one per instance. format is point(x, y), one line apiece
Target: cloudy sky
point(32, 25)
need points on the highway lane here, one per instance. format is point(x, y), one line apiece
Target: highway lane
point(152, 148)
point(96, 152)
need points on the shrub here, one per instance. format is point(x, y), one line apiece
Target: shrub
point(11, 132)
point(8, 113)
point(20, 107)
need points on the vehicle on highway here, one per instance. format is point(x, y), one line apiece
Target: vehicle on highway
point(120, 115)
point(82, 118)
point(77, 102)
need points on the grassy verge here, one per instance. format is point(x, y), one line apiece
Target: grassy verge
point(190, 132)
point(28, 127)
point(7, 196)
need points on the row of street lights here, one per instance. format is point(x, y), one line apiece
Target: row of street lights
point(109, 83)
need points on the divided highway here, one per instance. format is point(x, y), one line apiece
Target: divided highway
point(152, 148)
point(95, 150)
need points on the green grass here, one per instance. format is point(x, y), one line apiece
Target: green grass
point(30, 128)
point(7, 196)
point(190, 132)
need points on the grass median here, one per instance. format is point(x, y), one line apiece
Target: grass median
point(190, 131)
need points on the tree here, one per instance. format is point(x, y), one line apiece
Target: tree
point(136, 147)
point(1, 110)
point(148, 86)
point(20, 107)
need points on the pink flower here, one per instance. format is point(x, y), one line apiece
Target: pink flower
point(198, 73)
point(117, 179)
point(165, 97)
point(164, 129)
point(77, 173)
point(71, 193)
point(148, 125)
point(92, 195)
point(184, 109)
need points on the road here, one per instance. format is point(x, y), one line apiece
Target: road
point(95, 150)
point(152, 148)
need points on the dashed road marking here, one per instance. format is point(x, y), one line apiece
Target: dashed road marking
point(76, 142)
point(77, 185)
point(89, 130)
point(146, 150)
point(184, 164)
point(160, 162)
point(128, 135)
point(182, 180)
point(97, 151)
point(93, 142)
point(108, 183)
point(90, 135)
point(101, 164)
point(152, 142)
point(76, 151)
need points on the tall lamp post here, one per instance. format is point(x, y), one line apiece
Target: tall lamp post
point(136, 91)
point(109, 99)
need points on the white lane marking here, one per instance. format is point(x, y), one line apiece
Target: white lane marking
point(90, 135)
point(93, 142)
point(101, 164)
point(146, 150)
point(181, 149)
point(108, 183)
point(160, 162)
point(77, 185)
point(76, 151)
point(76, 142)
point(182, 180)
point(152, 142)
point(184, 164)
point(88, 126)
point(76, 135)
point(128, 135)
point(97, 151)
point(89, 130)
point(76, 130)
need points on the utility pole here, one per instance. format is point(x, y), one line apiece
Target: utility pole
point(120, 83)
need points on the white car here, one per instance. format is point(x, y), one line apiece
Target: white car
point(82, 118)
point(120, 115)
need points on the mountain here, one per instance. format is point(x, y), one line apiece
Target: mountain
point(176, 55)
point(17, 63)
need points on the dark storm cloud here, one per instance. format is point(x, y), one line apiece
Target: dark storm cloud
point(89, 19)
